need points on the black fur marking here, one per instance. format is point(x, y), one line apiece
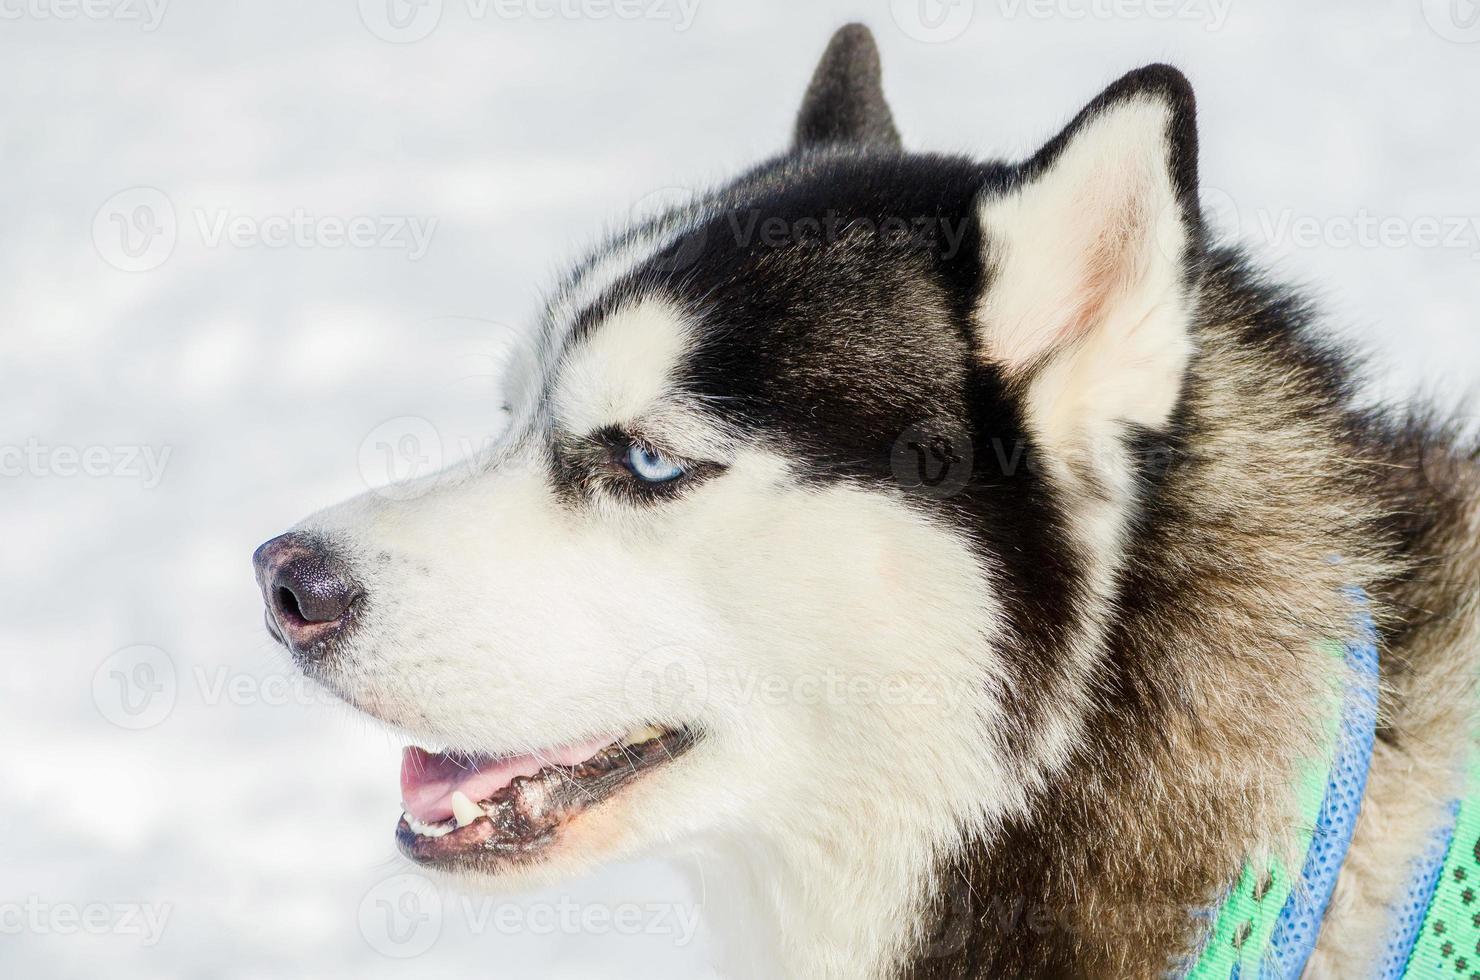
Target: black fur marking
point(834, 294)
point(845, 101)
point(823, 333)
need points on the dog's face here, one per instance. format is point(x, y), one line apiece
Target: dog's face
point(809, 493)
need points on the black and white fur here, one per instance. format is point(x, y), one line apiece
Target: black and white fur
point(1109, 636)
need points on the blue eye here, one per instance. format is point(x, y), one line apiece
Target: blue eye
point(649, 466)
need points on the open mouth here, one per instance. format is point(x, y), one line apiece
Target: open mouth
point(463, 808)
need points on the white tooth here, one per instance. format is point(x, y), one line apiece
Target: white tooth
point(428, 830)
point(644, 734)
point(464, 809)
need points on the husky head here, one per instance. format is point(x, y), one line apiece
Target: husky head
point(805, 526)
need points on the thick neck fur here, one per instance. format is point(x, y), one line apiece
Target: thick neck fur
point(1209, 689)
point(1212, 687)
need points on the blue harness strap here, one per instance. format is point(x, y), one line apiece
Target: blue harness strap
point(1408, 915)
point(1435, 927)
point(1266, 926)
point(1295, 932)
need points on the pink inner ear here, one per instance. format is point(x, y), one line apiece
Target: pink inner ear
point(1110, 263)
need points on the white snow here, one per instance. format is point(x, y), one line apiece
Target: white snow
point(253, 814)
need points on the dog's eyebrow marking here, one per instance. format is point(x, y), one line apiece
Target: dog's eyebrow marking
point(590, 286)
point(621, 367)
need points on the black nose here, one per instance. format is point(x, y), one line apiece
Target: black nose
point(309, 592)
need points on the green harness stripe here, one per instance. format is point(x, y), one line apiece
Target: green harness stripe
point(1263, 930)
point(1449, 942)
point(1247, 917)
point(1243, 930)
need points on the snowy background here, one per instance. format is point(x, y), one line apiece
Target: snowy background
point(258, 253)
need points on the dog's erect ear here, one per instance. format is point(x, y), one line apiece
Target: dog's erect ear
point(1086, 306)
point(845, 101)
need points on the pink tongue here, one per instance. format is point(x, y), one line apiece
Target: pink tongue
point(428, 779)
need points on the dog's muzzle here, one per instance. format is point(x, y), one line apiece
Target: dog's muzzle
point(310, 595)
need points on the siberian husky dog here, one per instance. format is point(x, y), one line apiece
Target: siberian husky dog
point(946, 550)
